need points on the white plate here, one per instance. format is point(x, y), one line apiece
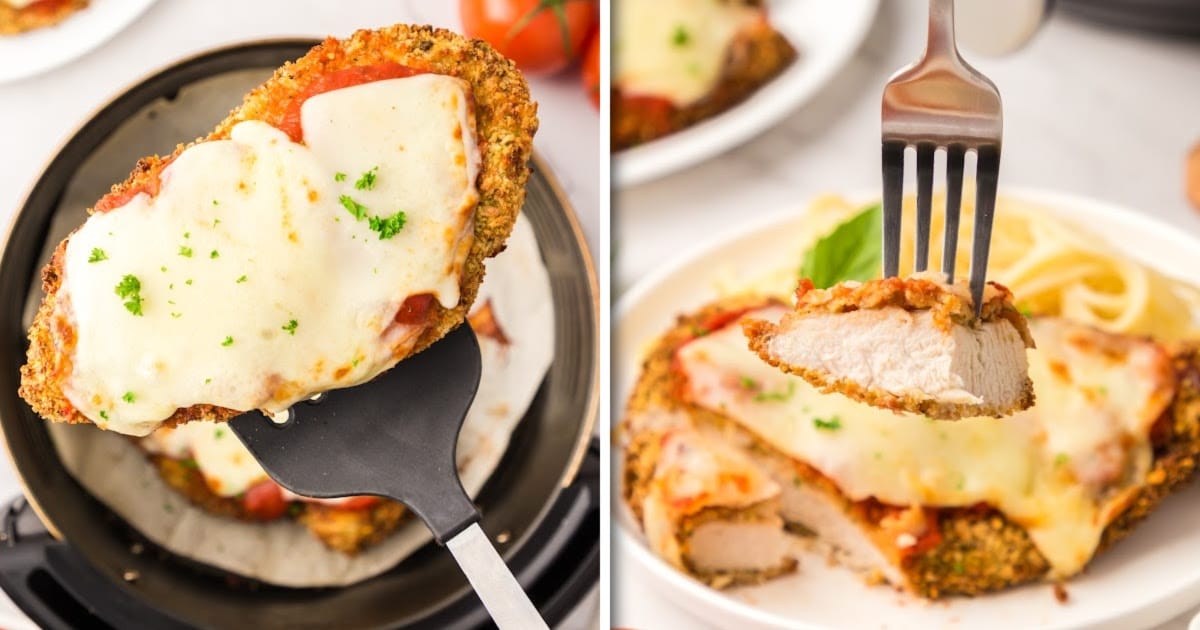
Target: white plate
point(825, 34)
point(1145, 580)
point(47, 48)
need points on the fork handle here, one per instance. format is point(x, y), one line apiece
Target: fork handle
point(493, 582)
point(941, 29)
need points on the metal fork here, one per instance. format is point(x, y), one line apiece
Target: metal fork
point(941, 102)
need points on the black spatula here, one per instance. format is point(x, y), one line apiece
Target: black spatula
point(395, 437)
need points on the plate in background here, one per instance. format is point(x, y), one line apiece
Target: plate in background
point(1145, 580)
point(825, 35)
point(39, 50)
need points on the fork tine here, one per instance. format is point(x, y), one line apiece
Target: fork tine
point(924, 203)
point(987, 172)
point(955, 156)
point(893, 192)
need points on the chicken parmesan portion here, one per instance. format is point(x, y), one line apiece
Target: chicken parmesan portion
point(942, 508)
point(209, 465)
point(911, 344)
point(677, 62)
point(704, 506)
point(333, 225)
point(19, 16)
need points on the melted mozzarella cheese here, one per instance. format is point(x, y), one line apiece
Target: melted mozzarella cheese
point(675, 49)
point(258, 286)
point(19, 4)
point(227, 465)
point(1034, 466)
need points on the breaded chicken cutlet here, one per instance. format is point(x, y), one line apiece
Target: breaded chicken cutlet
point(441, 80)
point(678, 66)
point(837, 462)
point(907, 344)
point(345, 528)
point(19, 16)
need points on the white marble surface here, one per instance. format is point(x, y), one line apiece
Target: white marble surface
point(38, 114)
point(1087, 110)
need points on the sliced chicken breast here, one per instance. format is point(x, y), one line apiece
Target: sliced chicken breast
point(703, 505)
point(911, 344)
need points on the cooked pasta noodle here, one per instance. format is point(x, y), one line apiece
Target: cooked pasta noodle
point(1053, 268)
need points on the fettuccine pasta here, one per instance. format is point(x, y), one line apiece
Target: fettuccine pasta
point(1052, 267)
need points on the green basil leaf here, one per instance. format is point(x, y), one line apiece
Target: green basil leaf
point(853, 251)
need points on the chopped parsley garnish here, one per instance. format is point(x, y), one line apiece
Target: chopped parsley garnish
point(387, 227)
point(216, 203)
point(776, 396)
point(1025, 311)
point(104, 414)
point(748, 383)
point(163, 269)
point(832, 424)
point(214, 254)
point(294, 509)
point(367, 181)
point(339, 177)
point(176, 315)
point(189, 463)
point(185, 251)
point(207, 381)
point(356, 361)
point(129, 289)
point(215, 222)
point(353, 207)
point(187, 235)
point(1061, 460)
point(228, 341)
point(219, 433)
point(97, 255)
point(290, 327)
point(241, 279)
point(129, 397)
point(959, 568)
point(680, 37)
point(188, 282)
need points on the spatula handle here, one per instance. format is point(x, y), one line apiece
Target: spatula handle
point(502, 596)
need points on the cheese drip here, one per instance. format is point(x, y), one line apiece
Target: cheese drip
point(675, 49)
point(257, 285)
point(1057, 469)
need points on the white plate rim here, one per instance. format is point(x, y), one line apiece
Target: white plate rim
point(761, 111)
point(78, 34)
point(1179, 598)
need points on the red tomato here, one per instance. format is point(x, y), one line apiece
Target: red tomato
point(541, 36)
point(264, 501)
point(591, 70)
point(412, 311)
point(348, 77)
